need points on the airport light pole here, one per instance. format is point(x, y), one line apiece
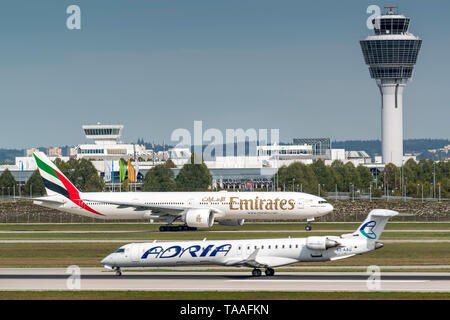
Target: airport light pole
point(434, 179)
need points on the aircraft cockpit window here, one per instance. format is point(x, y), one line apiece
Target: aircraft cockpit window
point(322, 201)
point(121, 250)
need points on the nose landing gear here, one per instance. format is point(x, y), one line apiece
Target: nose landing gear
point(118, 271)
point(308, 224)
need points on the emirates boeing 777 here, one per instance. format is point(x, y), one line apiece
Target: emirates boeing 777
point(195, 209)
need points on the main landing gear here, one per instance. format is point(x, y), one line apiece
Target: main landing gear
point(176, 228)
point(257, 273)
point(308, 224)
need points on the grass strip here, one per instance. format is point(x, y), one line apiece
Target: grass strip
point(216, 295)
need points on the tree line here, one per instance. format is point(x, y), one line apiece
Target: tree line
point(409, 179)
point(425, 178)
point(193, 176)
point(82, 173)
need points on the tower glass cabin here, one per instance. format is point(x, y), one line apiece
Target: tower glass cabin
point(391, 54)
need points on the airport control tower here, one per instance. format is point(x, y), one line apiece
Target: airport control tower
point(391, 54)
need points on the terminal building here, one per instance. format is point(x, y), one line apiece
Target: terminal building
point(228, 172)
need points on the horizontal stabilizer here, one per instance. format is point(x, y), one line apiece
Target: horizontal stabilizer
point(55, 200)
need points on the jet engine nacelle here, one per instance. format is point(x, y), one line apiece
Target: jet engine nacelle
point(237, 222)
point(201, 218)
point(320, 243)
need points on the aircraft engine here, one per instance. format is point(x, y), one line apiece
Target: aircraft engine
point(320, 243)
point(201, 218)
point(237, 222)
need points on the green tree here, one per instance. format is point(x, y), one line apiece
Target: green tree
point(169, 164)
point(82, 174)
point(7, 180)
point(94, 184)
point(323, 174)
point(159, 178)
point(194, 176)
point(298, 173)
point(8, 184)
point(391, 176)
point(365, 177)
point(338, 172)
point(34, 185)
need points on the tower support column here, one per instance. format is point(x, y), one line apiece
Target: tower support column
point(392, 120)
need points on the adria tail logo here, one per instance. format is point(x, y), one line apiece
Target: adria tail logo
point(367, 229)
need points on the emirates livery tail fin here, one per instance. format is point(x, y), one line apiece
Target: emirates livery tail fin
point(55, 181)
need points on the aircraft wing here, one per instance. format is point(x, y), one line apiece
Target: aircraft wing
point(156, 209)
point(255, 261)
point(250, 261)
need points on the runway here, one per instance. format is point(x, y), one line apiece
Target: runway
point(99, 279)
point(123, 241)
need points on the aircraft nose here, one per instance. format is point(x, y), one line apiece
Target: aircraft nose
point(106, 260)
point(330, 208)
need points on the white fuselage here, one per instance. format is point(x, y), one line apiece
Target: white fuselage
point(270, 252)
point(225, 205)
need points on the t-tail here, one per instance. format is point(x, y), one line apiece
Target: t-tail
point(374, 224)
point(56, 183)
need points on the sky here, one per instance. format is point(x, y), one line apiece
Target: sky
point(158, 65)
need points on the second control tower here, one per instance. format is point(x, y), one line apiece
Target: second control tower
point(391, 54)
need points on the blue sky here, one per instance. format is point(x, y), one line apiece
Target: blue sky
point(158, 65)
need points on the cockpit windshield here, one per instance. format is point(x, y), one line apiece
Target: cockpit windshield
point(121, 250)
point(322, 201)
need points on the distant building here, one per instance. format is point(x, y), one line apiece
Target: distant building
point(29, 152)
point(321, 147)
point(358, 157)
point(54, 152)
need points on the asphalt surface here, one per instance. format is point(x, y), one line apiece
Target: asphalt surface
point(100, 279)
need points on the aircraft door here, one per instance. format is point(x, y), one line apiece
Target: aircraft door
point(135, 250)
point(300, 203)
